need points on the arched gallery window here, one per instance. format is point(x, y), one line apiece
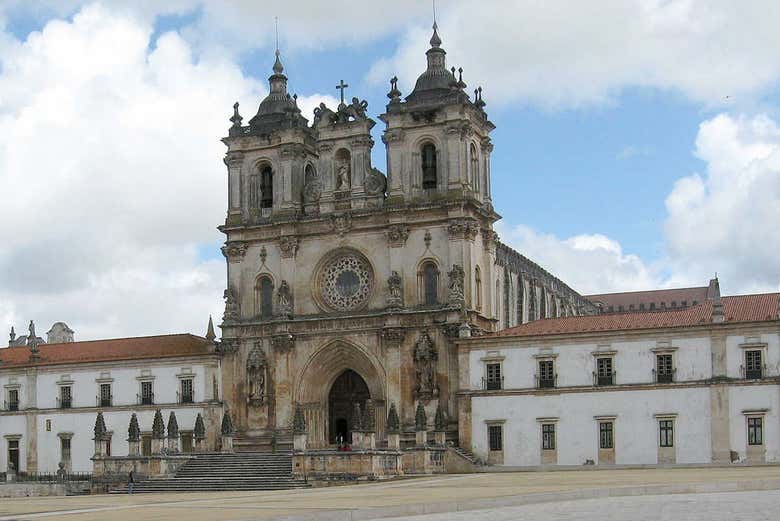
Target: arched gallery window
point(477, 288)
point(429, 174)
point(254, 191)
point(266, 187)
point(429, 282)
point(264, 297)
point(474, 164)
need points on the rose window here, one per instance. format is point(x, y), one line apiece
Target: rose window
point(346, 282)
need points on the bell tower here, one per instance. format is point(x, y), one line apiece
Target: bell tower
point(438, 143)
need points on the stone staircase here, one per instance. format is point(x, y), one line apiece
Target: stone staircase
point(467, 455)
point(220, 471)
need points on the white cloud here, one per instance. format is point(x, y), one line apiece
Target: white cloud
point(588, 263)
point(726, 220)
point(111, 175)
point(574, 54)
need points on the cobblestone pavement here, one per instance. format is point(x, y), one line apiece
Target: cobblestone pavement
point(726, 506)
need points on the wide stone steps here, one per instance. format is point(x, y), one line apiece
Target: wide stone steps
point(224, 472)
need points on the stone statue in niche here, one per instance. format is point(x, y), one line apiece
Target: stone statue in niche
point(425, 358)
point(284, 299)
point(231, 306)
point(457, 276)
point(395, 295)
point(256, 368)
point(342, 177)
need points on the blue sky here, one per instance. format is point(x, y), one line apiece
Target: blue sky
point(633, 150)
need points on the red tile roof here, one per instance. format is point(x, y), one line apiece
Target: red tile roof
point(736, 309)
point(136, 348)
point(658, 296)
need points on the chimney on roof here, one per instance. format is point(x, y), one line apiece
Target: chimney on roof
point(717, 305)
point(713, 290)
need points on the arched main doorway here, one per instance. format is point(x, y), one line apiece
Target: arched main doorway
point(347, 390)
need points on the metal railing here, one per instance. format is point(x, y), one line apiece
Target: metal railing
point(10, 406)
point(753, 374)
point(103, 401)
point(145, 399)
point(600, 380)
point(64, 403)
point(493, 384)
point(546, 383)
point(664, 377)
point(51, 477)
point(184, 397)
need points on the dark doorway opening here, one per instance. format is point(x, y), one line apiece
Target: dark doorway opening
point(348, 389)
point(13, 454)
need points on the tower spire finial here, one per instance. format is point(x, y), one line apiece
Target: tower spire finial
point(276, 26)
point(435, 40)
point(278, 67)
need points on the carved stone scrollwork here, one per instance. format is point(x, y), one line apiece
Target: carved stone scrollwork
point(283, 343)
point(232, 311)
point(489, 237)
point(228, 346)
point(234, 159)
point(234, 251)
point(375, 183)
point(256, 374)
point(456, 297)
point(288, 246)
point(391, 136)
point(425, 358)
point(393, 336)
point(342, 223)
point(397, 235)
point(395, 291)
point(463, 229)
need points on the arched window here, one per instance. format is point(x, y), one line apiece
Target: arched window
point(498, 302)
point(264, 297)
point(474, 163)
point(477, 288)
point(266, 187)
point(543, 303)
point(429, 175)
point(429, 283)
point(519, 301)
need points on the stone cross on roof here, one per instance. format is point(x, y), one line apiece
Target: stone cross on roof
point(342, 87)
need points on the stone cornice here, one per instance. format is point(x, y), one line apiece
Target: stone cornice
point(533, 391)
point(139, 363)
point(633, 335)
point(115, 408)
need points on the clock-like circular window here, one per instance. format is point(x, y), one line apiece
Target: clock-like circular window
point(346, 281)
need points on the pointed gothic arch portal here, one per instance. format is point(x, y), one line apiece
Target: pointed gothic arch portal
point(347, 390)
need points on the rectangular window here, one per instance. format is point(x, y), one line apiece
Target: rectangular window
point(146, 445)
point(13, 399)
point(494, 379)
point(605, 373)
point(753, 365)
point(666, 433)
point(147, 396)
point(186, 391)
point(108, 445)
point(65, 397)
point(495, 437)
point(546, 374)
point(548, 436)
point(64, 449)
point(664, 368)
point(106, 400)
point(755, 431)
point(605, 435)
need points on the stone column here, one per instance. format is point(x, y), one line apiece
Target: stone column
point(227, 432)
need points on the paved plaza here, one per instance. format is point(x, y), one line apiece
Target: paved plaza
point(723, 506)
point(740, 492)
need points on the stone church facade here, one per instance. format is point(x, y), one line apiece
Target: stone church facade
point(346, 285)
